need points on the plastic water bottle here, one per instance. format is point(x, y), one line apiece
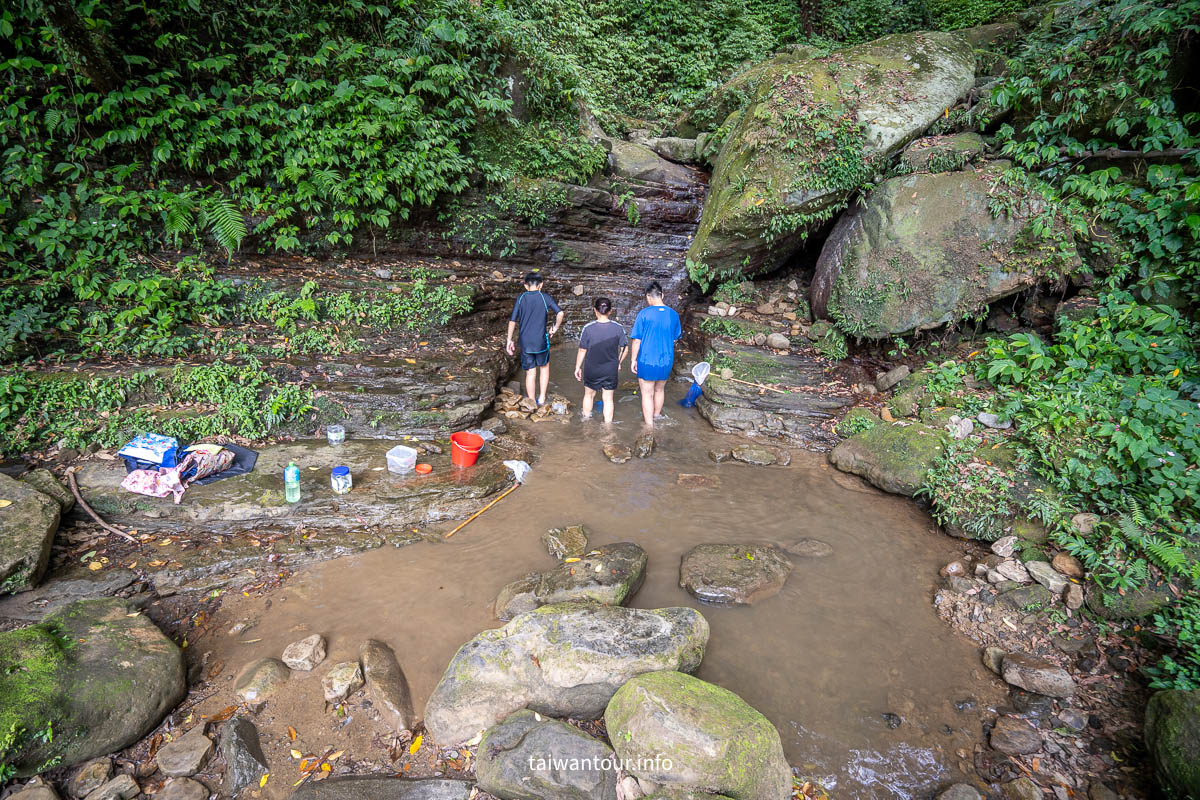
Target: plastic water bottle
point(291, 483)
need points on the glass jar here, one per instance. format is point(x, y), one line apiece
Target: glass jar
point(336, 434)
point(341, 480)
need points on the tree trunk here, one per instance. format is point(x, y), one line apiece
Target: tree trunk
point(87, 50)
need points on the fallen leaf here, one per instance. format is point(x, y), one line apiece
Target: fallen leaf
point(410, 360)
point(5, 503)
point(336, 755)
point(95, 565)
point(291, 731)
point(222, 715)
point(416, 744)
point(297, 754)
point(263, 780)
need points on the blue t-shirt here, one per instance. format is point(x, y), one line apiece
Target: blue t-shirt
point(658, 327)
point(529, 312)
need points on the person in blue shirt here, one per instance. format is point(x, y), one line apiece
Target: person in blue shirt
point(529, 316)
point(655, 330)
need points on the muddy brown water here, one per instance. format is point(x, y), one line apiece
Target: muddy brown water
point(850, 639)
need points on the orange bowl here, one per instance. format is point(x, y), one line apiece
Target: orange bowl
point(424, 469)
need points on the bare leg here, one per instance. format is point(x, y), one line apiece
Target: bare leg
point(544, 380)
point(646, 390)
point(609, 404)
point(531, 383)
point(660, 396)
point(589, 397)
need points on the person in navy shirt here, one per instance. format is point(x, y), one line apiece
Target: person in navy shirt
point(655, 331)
point(529, 316)
point(602, 348)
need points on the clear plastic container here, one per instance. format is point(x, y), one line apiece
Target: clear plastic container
point(341, 480)
point(336, 434)
point(291, 483)
point(401, 459)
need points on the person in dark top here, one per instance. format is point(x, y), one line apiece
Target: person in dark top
point(529, 315)
point(602, 348)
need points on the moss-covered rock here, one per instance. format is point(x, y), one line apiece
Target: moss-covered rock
point(1173, 738)
point(517, 758)
point(609, 575)
point(44, 481)
point(923, 250)
point(95, 676)
point(1138, 603)
point(894, 458)
point(565, 660)
point(28, 523)
point(714, 740)
point(943, 153)
point(815, 129)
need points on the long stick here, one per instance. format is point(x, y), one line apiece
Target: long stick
point(83, 504)
point(480, 511)
point(757, 385)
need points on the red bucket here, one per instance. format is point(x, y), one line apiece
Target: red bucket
point(464, 448)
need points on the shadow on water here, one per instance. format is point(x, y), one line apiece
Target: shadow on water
point(851, 638)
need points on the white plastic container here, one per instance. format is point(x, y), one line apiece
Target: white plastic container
point(401, 459)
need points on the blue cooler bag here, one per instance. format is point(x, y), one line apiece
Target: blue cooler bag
point(150, 451)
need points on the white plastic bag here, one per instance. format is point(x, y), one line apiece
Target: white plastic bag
point(519, 469)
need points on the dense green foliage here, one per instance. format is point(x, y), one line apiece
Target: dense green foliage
point(1105, 412)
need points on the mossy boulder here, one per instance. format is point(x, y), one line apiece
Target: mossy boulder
point(638, 162)
point(943, 153)
point(714, 740)
point(1173, 738)
point(517, 758)
point(894, 457)
point(28, 523)
point(96, 673)
point(923, 250)
point(610, 575)
point(45, 482)
point(815, 129)
point(564, 660)
point(1139, 603)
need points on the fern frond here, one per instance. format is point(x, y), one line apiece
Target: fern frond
point(225, 223)
point(180, 219)
point(329, 183)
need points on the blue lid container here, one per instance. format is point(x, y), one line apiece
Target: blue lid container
point(340, 471)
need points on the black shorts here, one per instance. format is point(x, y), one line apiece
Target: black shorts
point(600, 382)
point(532, 360)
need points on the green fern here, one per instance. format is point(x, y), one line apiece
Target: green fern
point(225, 223)
point(180, 218)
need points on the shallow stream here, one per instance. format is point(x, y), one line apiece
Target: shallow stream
point(847, 649)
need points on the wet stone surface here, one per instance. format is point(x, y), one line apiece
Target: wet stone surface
point(734, 574)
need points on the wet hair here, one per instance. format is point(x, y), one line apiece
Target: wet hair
point(602, 305)
point(532, 278)
point(654, 289)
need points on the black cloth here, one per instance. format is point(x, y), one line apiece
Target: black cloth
point(603, 342)
point(244, 460)
point(534, 360)
point(529, 312)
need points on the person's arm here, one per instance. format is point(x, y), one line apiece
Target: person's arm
point(637, 343)
point(624, 351)
point(558, 318)
point(508, 345)
point(579, 364)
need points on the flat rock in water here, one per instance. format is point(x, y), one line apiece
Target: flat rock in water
point(372, 787)
point(185, 756)
point(105, 677)
point(342, 681)
point(44, 481)
point(609, 575)
point(306, 653)
point(1037, 675)
point(183, 789)
point(809, 548)
point(387, 685)
point(720, 456)
point(728, 573)
point(644, 446)
point(564, 660)
point(568, 542)
point(1015, 736)
point(714, 740)
point(27, 528)
point(510, 754)
point(245, 763)
point(755, 454)
point(260, 679)
point(617, 453)
point(689, 480)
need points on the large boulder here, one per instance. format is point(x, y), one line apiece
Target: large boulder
point(531, 757)
point(99, 674)
point(640, 163)
point(1140, 602)
point(27, 527)
point(1173, 738)
point(679, 731)
point(735, 574)
point(565, 660)
point(894, 457)
point(814, 131)
point(609, 575)
point(923, 250)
